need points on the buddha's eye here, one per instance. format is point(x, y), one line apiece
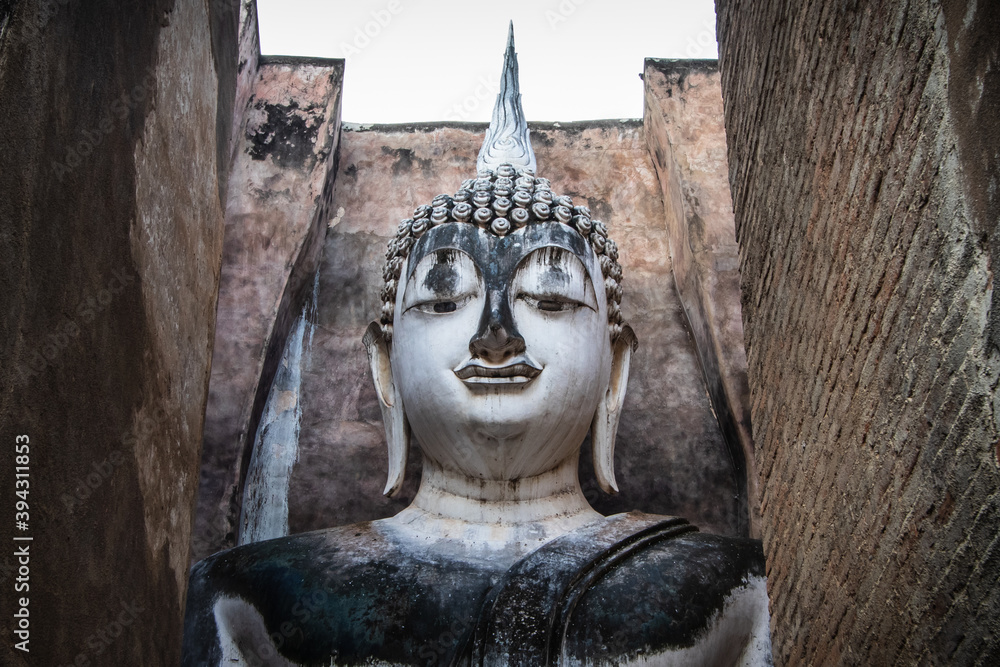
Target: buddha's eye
point(443, 306)
point(548, 303)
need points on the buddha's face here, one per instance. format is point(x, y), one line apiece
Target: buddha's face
point(500, 347)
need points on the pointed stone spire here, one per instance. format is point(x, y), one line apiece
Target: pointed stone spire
point(507, 138)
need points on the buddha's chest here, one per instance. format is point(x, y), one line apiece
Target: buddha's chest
point(663, 595)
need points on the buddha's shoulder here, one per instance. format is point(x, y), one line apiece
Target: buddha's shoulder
point(344, 594)
point(310, 552)
point(665, 553)
point(695, 571)
point(349, 559)
point(693, 558)
point(693, 598)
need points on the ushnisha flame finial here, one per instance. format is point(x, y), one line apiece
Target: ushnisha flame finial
point(505, 196)
point(507, 140)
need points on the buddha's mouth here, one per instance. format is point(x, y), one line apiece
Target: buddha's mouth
point(520, 371)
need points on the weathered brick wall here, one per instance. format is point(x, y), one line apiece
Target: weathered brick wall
point(864, 161)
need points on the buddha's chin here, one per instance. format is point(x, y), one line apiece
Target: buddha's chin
point(502, 450)
point(478, 440)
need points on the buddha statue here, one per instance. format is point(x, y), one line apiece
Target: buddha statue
point(500, 345)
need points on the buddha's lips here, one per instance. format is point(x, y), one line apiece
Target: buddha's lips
point(517, 372)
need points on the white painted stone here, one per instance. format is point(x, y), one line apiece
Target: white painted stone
point(501, 452)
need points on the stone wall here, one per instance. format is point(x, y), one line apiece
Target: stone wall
point(864, 155)
point(114, 137)
point(279, 197)
point(687, 143)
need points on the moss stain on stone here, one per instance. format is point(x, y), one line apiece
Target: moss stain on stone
point(288, 134)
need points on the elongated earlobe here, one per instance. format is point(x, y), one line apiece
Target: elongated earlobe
point(609, 410)
point(397, 428)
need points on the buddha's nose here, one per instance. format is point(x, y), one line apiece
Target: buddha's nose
point(497, 338)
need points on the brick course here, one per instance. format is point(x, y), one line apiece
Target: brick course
point(864, 160)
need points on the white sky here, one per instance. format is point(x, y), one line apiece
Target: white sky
point(433, 60)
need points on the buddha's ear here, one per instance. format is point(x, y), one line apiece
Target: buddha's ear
point(397, 428)
point(609, 410)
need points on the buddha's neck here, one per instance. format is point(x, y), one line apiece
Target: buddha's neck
point(519, 515)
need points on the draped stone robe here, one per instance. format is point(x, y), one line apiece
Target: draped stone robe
point(631, 589)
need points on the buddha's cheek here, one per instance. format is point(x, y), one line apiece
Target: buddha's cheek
point(573, 347)
point(575, 353)
point(425, 349)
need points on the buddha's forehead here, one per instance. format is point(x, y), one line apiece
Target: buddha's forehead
point(498, 257)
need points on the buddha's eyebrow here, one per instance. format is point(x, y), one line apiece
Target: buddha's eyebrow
point(553, 270)
point(444, 275)
point(553, 256)
point(552, 267)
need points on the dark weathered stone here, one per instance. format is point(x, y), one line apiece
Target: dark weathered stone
point(114, 126)
point(363, 592)
point(864, 154)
